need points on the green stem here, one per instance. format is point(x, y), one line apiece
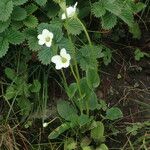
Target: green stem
point(78, 84)
point(85, 31)
point(64, 78)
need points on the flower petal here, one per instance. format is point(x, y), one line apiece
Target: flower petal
point(75, 5)
point(45, 32)
point(48, 44)
point(58, 66)
point(56, 59)
point(68, 57)
point(63, 16)
point(40, 36)
point(51, 35)
point(41, 41)
point(63, 52)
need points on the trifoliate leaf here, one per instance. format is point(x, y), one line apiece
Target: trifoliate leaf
point(31, 21)
point(6, 8)
point(108, 21)
point(14, 37)
point(4, 45)
point(41, 2)
point(4, 25)
point(19, 13)
point(98, 8)
point(19, 2)
point(73, 26)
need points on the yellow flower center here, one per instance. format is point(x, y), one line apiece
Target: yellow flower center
point(63, 59)
point(47, 39)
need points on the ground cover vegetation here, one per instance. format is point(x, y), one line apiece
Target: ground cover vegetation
point(74, 74)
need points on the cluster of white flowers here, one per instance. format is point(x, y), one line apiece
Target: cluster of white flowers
point(62, 60)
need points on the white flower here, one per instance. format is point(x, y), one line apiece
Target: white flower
point(45, 124)
point(45, 38)
point(70, 11)
point(62, 60)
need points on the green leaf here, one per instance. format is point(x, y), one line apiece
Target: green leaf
point(31, 36)
point(83, 120)
point(59, 130)
point(34, 46)
point(92, 101)
point(107, 56)
point(138, 54)
point(45, 54)
point(31, 8)
point(41, 2)
point(10, 92)
point(97, 133)
point(127, 17)
point(70, 144)
point(102, 147)
point(31, 21)
point(16, 24)
point(6, 8)
point(66, 43)
point(113, 113)
point(52, 9)
point(73, 26)
point(19, 14)
point(10, 73)
point(72, 90)
point(14, 37)
point(118, 8)
point(139, 6)
point(98, 8)
point(35, 87)
point(108, 21)
point(87, 148)
point(66, 111)
point(25, 106)
point(135, 30)
point(84, 56)
point(4, 45)
point(92, 77)
point(4, 25)
point(19, 2)
point(85, 141)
